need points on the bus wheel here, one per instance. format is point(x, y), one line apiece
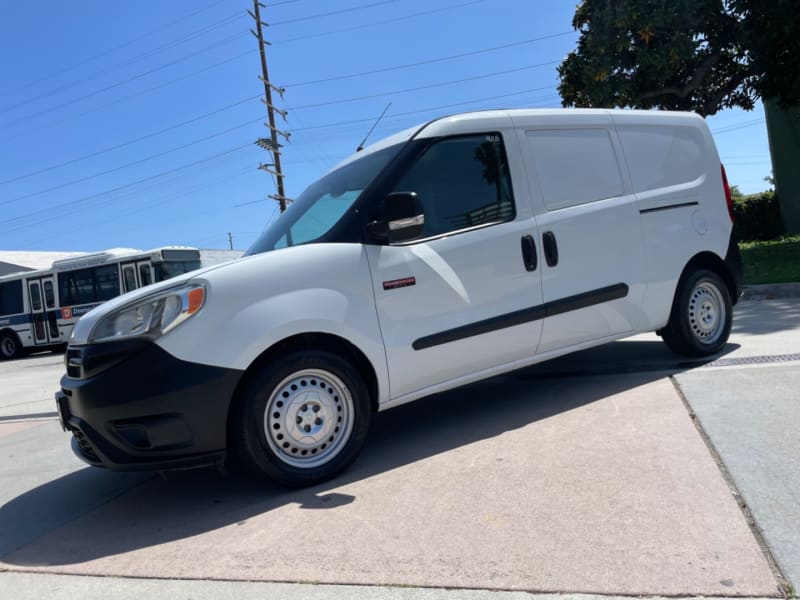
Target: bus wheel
point(303, 420)
point(10, 346)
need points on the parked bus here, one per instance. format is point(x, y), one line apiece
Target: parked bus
point(38, 309)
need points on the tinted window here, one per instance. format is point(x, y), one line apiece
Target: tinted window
point(172, 268)
point(36, 297)
point(87, 286)
point(49, 296)
point(106, 282)
point(145, 275)
point(11, 297)
point(575, 166)
point(129, 278)
point(462, 182)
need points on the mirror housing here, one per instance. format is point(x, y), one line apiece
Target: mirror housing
point(403, 218)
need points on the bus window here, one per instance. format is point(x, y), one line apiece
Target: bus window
point(36, 297)
point(106, 283)
point(49, 295)
point(11, 297)
point(145, 274)
point(128, 278)
point(87, 286)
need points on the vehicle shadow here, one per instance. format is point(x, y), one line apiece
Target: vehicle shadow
point(179, 505)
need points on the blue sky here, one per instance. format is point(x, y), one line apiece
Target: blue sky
point(132, 124)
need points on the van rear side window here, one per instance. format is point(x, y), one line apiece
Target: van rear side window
point(662, 156)
point(575, 166)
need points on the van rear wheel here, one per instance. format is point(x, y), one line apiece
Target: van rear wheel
point(303, 420)
point(701, 317)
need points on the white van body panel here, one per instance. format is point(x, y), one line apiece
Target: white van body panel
point(253, 303)
point(673, 161)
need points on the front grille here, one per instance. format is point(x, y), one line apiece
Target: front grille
point(84, 445)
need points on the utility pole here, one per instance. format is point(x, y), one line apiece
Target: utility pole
point(230, 240)
point(270, 144)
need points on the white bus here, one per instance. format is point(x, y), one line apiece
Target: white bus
point(38, 309)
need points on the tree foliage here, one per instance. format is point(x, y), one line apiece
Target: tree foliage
point(700, 55)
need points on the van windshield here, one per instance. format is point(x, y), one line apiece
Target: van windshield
point(323, 204)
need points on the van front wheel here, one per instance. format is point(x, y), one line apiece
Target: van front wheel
point(303, 420)
point(701, 317)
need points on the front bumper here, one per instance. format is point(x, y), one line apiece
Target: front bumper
point(131, 406)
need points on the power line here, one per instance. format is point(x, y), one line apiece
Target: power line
point(119, 83)
point(128, 185)
point(129, 142)
point(424, 87)
point(431, 60)
point(119, 46)
point(130, 164)
point(133, 60)
point(291, 108)
point(376, 23)
point(333, 12)
point(738, 126)
point(135, 95)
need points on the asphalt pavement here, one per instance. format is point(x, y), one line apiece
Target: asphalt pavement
point(619, 470)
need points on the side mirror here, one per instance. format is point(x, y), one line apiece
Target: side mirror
point(403, 218)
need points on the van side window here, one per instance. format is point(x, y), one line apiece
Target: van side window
point(462, 182)
point(575, 166)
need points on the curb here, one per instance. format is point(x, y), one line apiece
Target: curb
point(771, 291)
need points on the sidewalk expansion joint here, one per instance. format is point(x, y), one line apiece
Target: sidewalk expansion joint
point(784, 587)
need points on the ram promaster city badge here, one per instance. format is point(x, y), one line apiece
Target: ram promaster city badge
point(448, 253)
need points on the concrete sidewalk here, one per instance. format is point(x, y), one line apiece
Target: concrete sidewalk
point(598, 484)
point(67, 587)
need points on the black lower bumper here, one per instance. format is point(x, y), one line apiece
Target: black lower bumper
point(133, 406)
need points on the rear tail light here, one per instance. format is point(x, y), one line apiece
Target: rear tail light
point(727, 188)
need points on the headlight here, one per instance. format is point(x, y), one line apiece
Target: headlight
point(152, 317)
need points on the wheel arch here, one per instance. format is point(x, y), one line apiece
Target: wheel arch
point(309, 341)
point(712, 262)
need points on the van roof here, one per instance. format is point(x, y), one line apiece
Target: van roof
point(440, 125)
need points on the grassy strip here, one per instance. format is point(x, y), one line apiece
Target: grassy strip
point(775, 261)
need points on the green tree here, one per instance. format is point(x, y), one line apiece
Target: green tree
point(700, 55)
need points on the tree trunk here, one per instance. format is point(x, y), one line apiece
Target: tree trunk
point(783, 128)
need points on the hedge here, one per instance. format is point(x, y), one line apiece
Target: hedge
point(757, 217)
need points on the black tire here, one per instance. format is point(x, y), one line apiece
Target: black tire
point(10, 346)
point(303, 420)
point(701, 317)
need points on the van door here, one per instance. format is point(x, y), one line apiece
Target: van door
point(464, 298)
point(588, 216)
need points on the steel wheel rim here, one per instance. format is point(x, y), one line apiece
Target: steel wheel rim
point(706, 313)
point(309, 418)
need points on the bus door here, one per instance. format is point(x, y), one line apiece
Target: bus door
point(136, 275)
point(43, 310)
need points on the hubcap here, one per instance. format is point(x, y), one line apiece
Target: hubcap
point(309, 418)
point(706, 313)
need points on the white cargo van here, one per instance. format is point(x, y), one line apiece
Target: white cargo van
point(469, 246)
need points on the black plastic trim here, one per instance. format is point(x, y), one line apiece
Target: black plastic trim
point(526, 315)
point(733, 259)
point(179, 408)
point(667, 207)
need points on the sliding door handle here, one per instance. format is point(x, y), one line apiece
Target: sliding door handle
point(550, 248)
